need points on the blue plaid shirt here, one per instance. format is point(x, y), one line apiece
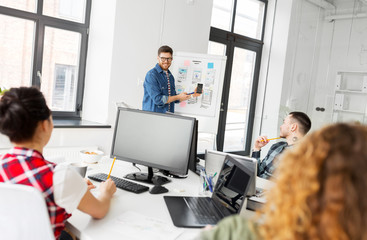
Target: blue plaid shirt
point(266, 167)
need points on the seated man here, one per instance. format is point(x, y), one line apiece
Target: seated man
point(294, 127)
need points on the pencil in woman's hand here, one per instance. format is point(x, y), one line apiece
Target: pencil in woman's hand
point(111, 168)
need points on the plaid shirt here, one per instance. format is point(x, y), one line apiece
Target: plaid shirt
point(28, 167)
point(266, 167)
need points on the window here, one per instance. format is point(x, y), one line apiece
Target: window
point(249, 18)
point(64, 88)
point(43, 44)
point(237, 32)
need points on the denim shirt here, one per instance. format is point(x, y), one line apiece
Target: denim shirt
point(156, 91)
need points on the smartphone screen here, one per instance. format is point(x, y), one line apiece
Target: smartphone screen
point(199, 88)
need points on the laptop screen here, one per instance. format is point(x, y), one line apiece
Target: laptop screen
point(232, 185)
point(214, 161)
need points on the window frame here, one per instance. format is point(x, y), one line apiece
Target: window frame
point(43, 21)
point(231, 40)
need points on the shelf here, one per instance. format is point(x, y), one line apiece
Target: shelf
point(348, 111)
point(351, 72)
point(350, 96)
point(350, 91)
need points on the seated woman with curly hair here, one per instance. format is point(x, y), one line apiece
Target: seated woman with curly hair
point(320, 193)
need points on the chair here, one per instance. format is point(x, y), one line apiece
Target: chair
point(23, 213)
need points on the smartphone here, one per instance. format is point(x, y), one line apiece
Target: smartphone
point(199, 88)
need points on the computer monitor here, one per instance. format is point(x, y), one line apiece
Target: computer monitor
point(194, 148)
point(214, 161)
point(154, 140)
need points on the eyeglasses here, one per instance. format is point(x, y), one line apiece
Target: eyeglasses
point(163, 59)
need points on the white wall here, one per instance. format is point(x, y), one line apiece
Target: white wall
point(99, 61)
point(317, 49)
point(123, 42)
point(272, 68)
point(182, 26)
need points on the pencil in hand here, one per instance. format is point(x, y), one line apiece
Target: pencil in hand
point(111, 168)
point(269, 139)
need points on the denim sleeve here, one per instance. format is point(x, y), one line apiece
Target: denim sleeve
point(154, 90)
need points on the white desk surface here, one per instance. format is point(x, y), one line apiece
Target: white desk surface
point(149, 205)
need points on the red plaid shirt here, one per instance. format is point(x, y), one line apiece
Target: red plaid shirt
point(28, 167)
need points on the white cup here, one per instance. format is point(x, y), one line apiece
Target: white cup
point(80, 168)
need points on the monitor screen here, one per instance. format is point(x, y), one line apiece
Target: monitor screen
point(154, 140)
point(232, 185)
point(215, 159)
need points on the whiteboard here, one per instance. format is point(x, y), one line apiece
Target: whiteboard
point(189, 69)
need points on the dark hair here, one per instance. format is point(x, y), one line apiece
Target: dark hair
point(20, 111)
point(303, 120)
point(165, 49)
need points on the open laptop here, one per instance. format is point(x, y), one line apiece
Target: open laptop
point(227, 198)
point(214, 161)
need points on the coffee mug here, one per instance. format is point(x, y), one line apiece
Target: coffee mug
point(80, 168)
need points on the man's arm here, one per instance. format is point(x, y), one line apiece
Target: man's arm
point(260, 142)
point(151, 85)
point(180, 97)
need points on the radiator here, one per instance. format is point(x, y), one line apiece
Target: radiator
point(61, 154)
point(65, 154)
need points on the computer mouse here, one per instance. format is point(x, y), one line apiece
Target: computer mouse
point(157, 189)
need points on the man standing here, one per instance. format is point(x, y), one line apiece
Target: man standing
point(159, 85)
point(294, 127)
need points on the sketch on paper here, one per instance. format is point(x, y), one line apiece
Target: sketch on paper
point(196, 76)
point(206, 99)
point(182, 74)
point(192, 100)
point(210, 76)
point(180, 89)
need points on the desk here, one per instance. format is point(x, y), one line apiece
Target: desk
point(149, 205)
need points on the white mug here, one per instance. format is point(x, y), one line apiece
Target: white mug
point(80, 168)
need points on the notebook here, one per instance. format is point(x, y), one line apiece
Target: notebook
point(227, 198)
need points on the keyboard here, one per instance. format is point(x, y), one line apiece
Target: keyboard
point(120, 183)
point(204, 210)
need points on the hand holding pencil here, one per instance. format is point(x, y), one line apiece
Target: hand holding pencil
point(109, 174)
point(108, 187)
point(261, 141)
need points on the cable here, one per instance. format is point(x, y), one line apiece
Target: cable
point(136, 167)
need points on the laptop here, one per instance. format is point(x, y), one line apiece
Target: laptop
point(227, 198)
point(214, 161)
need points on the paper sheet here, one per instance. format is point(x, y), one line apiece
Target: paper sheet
point(133, 225)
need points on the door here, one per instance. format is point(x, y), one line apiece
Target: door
point(239, 92)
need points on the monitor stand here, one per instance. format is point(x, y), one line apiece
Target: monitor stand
point(148, 177)
point(172, 175)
